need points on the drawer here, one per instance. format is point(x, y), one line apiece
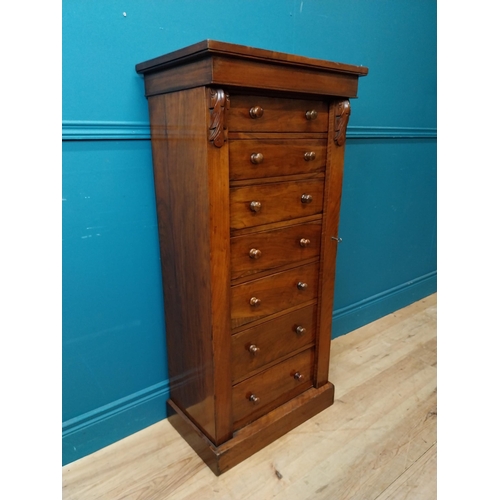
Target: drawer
point(259, 298)
point(272, 387)
point(252, 159)
point(274, 202)
point(269, 114)
point(256, 347)
point(266, 250)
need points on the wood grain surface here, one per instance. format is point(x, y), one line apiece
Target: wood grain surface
point(280, 201)
point(274, 339)
point(273, 387)
point(275, 292)
point(190, 200)
point(206, 47)
point(181, 197)
point(277, 247)
point(279, 157)
point(279, 115)
point(332, 198)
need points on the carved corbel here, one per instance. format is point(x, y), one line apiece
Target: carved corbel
point(217, 131)
point(342, 113)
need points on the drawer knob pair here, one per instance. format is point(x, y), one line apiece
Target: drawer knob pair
point(258, 158)
point(255, 253)
point(254, 301)
point(256, 400)
point(257, 112)
point(255, 206)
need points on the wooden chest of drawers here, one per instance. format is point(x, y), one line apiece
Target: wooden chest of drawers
point(248, 150)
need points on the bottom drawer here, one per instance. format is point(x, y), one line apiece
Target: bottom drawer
point(265, 391)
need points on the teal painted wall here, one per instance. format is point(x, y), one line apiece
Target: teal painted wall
point(115, 378)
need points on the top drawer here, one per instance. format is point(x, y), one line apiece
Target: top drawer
point(267, 114)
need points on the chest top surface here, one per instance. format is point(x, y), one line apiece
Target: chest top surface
point(211, 62)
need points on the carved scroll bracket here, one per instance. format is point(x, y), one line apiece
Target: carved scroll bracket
point(217, 130)
point(342, 113)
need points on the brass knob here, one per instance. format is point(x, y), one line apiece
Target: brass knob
point(254, 301)
point(306, 198)
point(257, 112)
point(309, 156)
point(301, 285)
point(298, 376)
point(254, 253)
point(304, 242)
point(256, 158)
point(255, 206)
point(254, 349)
point(312, 114)
point(300, 330)
point(254, 399)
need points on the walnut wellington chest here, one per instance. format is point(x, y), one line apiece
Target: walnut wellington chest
point(248, 149)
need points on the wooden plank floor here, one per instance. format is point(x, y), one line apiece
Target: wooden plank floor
point(377, 442)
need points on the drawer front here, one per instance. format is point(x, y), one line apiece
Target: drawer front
point(274, 202)
point(259, 298)
point(272, 387)
point(256, 347)
point(266, 250)
point(268, 114)
point(251, 159)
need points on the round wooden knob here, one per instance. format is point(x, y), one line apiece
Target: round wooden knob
point(254, 349)
point(306, 198)
point(300, 330)
point(312, 114)
point(309, 156)
point(298, 376)
point(254, 301)
point(304, 242)
point(254, 253)
point(256, 158)
point(257, 112)
point(301, 285)
point(254, 399)
point(255, 206)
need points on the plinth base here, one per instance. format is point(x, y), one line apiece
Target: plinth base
point(256, 435)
